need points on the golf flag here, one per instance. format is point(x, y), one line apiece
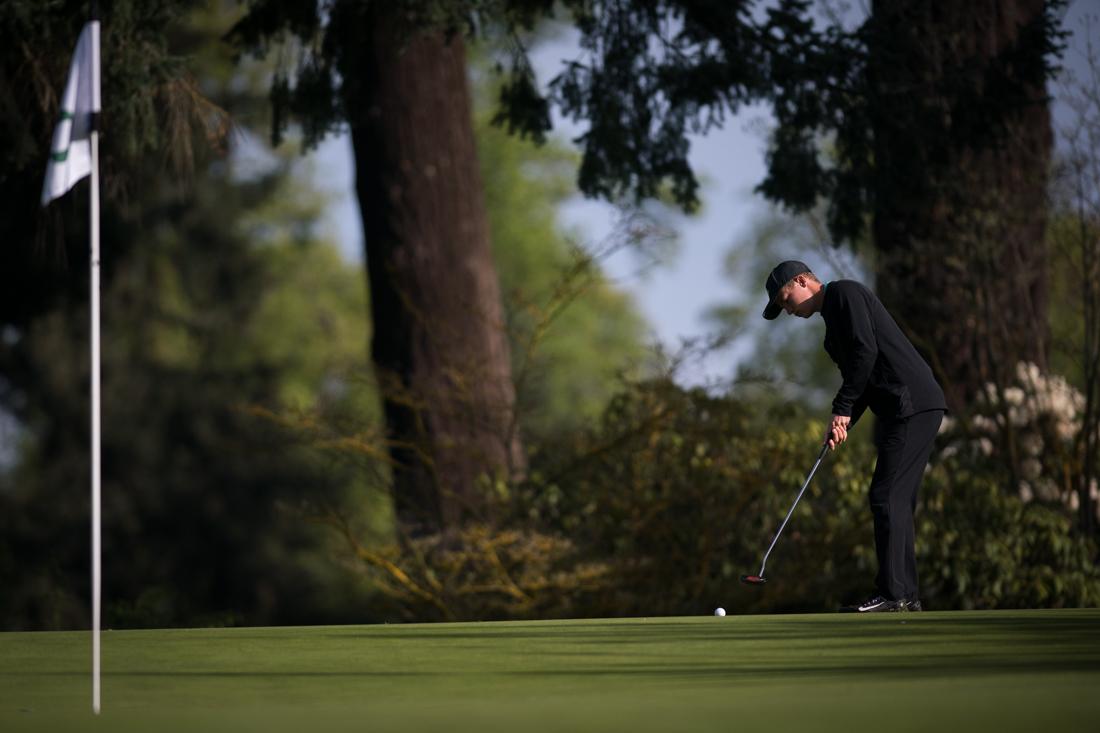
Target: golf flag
point(71, 152)
point(75, 154)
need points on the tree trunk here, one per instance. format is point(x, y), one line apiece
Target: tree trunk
point(439, 347)
point(962, 145)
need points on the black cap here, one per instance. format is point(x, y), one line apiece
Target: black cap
point(783, 273)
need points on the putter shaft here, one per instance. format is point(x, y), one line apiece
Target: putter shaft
point(820, 457)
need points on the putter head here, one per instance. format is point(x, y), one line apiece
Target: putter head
point(753, 580)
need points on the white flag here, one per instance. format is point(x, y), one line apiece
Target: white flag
point(71, 153)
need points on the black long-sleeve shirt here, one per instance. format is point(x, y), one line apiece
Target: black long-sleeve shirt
point(880, 367)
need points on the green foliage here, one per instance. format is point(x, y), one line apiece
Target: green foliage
point(199, 492)
point(312, 316)
point(680, 492)
point(138, 65)
point(479, 572)
point(674, 493)
point(228, 323)
point(150, 110)
point(1068, 236)
point(980, 547)
point(653, 73)
point(215, 298)
point(572, 334)
point(236, 403)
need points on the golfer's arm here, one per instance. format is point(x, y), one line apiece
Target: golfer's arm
point(863, 347)
point(857, 411)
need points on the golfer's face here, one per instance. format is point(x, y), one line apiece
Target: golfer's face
point(794, 299)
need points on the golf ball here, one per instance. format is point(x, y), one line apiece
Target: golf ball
point(719, 611)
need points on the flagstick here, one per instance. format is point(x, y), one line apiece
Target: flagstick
point(79, 115)
point(97, 576)
point(96, 568)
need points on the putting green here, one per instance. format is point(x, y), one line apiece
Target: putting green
point(995, 671)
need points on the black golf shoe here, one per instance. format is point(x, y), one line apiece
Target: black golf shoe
point(876, 604)
point(913, 605)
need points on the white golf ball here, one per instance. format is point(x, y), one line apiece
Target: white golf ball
point(719, 611)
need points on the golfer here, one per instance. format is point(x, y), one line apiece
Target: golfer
point(881, 371)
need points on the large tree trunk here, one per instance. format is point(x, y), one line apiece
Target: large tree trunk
point(439, 346)
point(962, 144)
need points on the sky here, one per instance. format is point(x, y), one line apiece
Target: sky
point(674, 296)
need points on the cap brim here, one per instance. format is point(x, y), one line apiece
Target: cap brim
point(772, 311)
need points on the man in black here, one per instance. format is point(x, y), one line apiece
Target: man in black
point(881, 371)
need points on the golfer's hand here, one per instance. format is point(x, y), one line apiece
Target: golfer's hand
point(838, 431)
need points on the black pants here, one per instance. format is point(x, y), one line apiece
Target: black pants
point(903, 450)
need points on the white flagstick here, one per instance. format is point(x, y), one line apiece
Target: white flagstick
point(96, 565)
point(97, 578)
point(70, 161)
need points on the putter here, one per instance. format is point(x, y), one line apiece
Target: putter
point(760, 579)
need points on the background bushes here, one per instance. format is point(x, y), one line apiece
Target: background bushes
point(674, 493)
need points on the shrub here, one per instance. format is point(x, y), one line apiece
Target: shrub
point(659, 507)
point(679, 492)
point(980, 546)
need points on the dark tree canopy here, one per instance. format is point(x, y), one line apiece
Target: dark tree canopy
point(837, 94)
point(148, 112)
point(196, 488)
point(651, 73)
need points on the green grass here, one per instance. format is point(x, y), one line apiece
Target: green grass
point(996, 671)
